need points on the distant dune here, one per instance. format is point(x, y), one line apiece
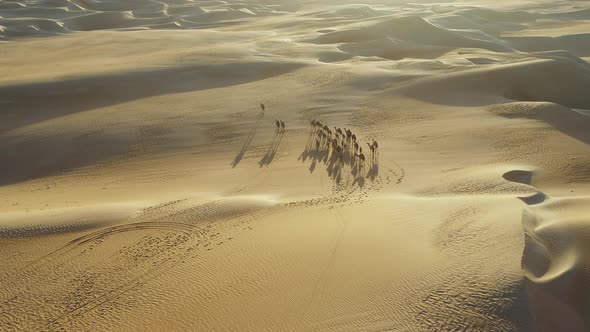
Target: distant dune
point(50, 17)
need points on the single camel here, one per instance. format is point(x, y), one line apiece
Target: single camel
point(338, 152)
point(278, 125)
point(282, 126)
point(376, 148)
point(361, 161)
point(372, 148)
point(263, 108)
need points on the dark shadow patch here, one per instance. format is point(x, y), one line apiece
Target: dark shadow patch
point(25, 104)
point(519, 176)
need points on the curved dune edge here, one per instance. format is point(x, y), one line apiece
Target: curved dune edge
point(84, 218)
point(555, 258)
point(56, 221)
point(556, 263)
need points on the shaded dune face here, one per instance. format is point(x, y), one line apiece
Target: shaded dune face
point(555, 258)
point(523, 80)
point(45, 152)
point(557, 265)
point(564, 119)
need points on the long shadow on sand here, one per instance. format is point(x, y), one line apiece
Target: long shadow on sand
point(272, 149)
point(247, 142)
point(27, 158)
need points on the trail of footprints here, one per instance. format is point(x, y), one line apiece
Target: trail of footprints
point(97, 268)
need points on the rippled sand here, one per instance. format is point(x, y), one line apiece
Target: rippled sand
point(143, 188)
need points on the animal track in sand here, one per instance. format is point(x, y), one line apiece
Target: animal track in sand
point(469, 304)
point(101, 266)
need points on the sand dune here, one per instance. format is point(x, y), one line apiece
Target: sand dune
point(412, 29)
point(43, 18)
point(143, 187)
point(522, 80)
point(22, 224)
point(556, 263)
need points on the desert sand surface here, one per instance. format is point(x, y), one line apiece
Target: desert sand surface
point(143, 188)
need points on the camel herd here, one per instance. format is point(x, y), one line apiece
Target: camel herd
point(342, 143)
point(335, 147)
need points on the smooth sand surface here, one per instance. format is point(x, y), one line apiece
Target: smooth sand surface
point(143, 189)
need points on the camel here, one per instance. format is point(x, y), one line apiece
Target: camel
point(278, 125)
point(262, 107)
point(356, 147)
point(282, 126)
point(348, 134)
point(353, 137)
point(375, 149)
point(338, 152)
point(372, 148)
point(361, 161)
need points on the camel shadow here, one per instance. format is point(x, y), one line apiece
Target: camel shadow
point(247, 142)
point(312, 166)
point(272, 150)
point(308, 148)
point(373, 171)
point(360, 180)
point(316, 156)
